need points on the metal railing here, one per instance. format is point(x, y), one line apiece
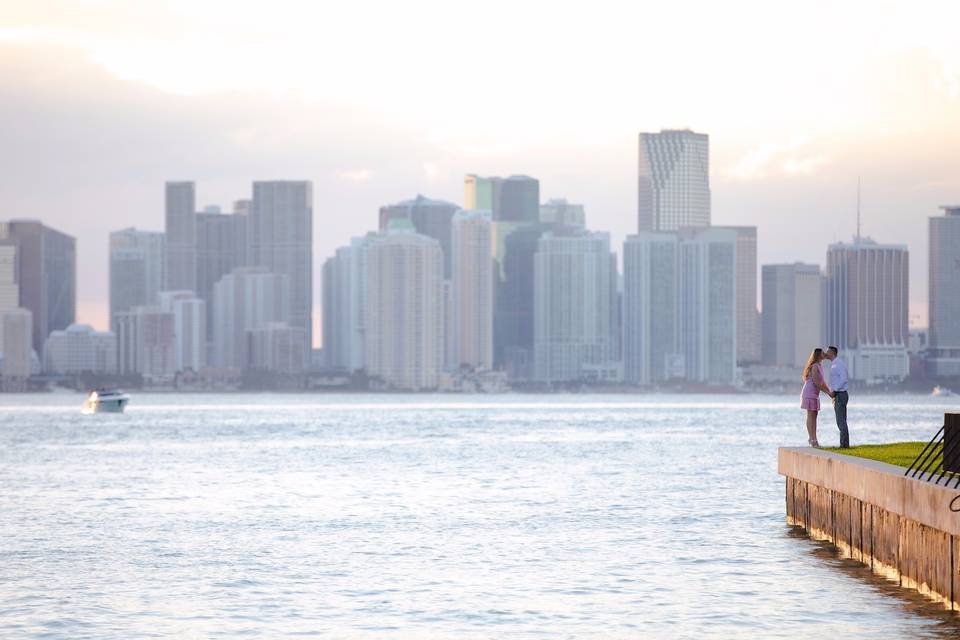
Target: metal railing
point(929, 465)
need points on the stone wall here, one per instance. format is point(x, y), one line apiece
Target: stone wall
point(901, 527)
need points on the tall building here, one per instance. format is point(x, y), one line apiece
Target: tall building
point(9, 289)
point(245, 300)
point(344, 305)
point(17, 327)
point(404, 325)
point(80, 349)
point(651, 292)
point(793, 313)
point(707, 305)
point(480, 193)
point(471, 322)
point(181, 236)
point(46, 274)
point(674, 180)
point(189, 328)
point(748, 318)
point(513, 201)
point(278, 348)
point(867, 308)
point(575, 295)
point(519, 200)
point(137, 264)
point(559, 211)
point(146, 344)
point(429, 217)
point(221, 248)
point(281, 240)
point(944, 294)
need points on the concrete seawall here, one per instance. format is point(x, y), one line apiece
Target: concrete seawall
point(901, 527)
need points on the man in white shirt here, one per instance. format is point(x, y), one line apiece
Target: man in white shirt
point(839, 383)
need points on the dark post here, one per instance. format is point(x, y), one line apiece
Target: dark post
point(951, 442)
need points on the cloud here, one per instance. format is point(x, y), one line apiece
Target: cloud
point(776, 158)
point(358, 175)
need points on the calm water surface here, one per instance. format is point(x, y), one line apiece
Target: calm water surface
point(429, 516)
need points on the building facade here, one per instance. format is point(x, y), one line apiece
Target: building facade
point(574, 305)
point(431, 218)
point(344, 306)
point(471, 322)
point(673, 180)
point(46, 267)
point(9, 288)
point(278, 348)
point(794, 313)
point(146, 344)
point(189, 328)
point(281, 241)
point(944, 294)
point(221, 248)
point(867, 308)
point(404, 325)
point(137, 267)
point(80, 349)
point(180, 225)
point(17, 328)
point(560, 212)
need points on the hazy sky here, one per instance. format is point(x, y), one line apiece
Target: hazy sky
point(102, 101)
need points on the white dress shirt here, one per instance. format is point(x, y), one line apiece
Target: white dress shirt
point(839, 376)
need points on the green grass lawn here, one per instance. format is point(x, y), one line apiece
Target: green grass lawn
point(898, 453)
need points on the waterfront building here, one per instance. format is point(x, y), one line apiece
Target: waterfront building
point(9, 288)
point(944, 293)
point(46, 268)
point(559, 211)
point(246, 299)
point(181, 236)
point(404, 325)
point(575, 290)
point(651, 291)
point(278, 348)
point(221, 248)
point(16, 325)
point(707, 304)
point(673, 180)
point(281, 240)
point(146, 344)
point(189, 328)
point(431, 218)
point(748, 317)
point(472, 291)
point(137, 264)
point(793, 313)
point(80, 349)
point(867, 308)
point(344, 305)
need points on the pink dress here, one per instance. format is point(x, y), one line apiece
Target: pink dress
point(810, 396)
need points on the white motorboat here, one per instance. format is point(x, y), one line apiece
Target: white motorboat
point(942, 392)
point(105, 401)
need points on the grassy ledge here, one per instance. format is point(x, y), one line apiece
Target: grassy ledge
point(898, 453)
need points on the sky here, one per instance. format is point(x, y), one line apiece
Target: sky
point(101, 101)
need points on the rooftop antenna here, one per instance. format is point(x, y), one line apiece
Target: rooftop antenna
point(858, 208)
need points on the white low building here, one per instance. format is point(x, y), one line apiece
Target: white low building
point(80, 349)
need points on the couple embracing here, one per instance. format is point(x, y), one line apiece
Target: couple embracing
point(814, 383)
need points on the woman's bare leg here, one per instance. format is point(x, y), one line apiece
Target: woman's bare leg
point(812, 427)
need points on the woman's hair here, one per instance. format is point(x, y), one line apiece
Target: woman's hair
point(815, 356)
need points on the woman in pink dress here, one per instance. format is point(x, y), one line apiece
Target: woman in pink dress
point(813, 384)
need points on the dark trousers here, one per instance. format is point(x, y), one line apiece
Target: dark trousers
point(840, 408)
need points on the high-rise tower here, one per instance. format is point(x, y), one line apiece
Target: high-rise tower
point(673, 180)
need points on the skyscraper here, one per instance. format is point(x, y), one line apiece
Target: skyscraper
point(9, 289)
point(519, 200)
point(16, 326)
point(559, 211)
point(944, 295)
point(404, 324)
point(47, 275)
point(146, 344)
point(281, 240)
point(221, 248)
point(793, 313)
point(867, 308)
point(574, 305)
point(480, 193)
point(344, 305)
point(472, 290)
point(277, 348)
point(674, 180)
point(651, 291)
point(748, 318)
point(246, 299)
point(137, 263)
point(181, 236)
point(189, 328)
point(429, 217)
point(707, 305)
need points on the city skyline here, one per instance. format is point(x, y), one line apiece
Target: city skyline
point(790, 130)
